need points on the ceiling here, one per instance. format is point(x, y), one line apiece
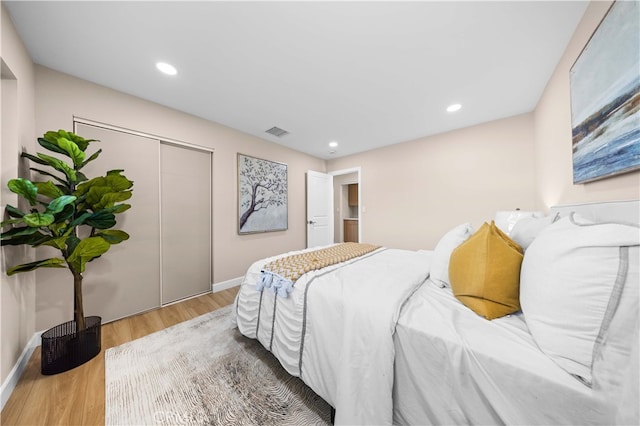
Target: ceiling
point(364, 74)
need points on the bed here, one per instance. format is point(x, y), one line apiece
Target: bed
point(325, 329)
point(383, 342)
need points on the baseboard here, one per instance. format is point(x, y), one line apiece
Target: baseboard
point(14, 375)
point(223, 285)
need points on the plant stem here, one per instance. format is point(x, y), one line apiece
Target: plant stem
point(78, 309)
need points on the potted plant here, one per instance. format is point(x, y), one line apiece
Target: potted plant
point(73, 214)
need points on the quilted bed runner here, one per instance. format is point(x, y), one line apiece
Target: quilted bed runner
point(282, 273)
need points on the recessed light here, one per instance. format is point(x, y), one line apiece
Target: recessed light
point(333, 144)
point(167, 68)
point(454, 107)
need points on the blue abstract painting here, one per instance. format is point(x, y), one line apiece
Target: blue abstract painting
point(605, 97)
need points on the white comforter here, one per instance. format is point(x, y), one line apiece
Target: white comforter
point(455, 367)
point(335, 330)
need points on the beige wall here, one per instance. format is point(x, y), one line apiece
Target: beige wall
point(413, 192)
point(17, 293)
point(554, 167)
point(59, 97)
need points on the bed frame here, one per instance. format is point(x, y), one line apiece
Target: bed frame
point(618, 211)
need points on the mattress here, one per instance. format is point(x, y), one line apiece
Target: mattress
point(454, 367)
point(334, 330)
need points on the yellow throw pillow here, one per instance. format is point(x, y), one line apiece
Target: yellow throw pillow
point(484, 272)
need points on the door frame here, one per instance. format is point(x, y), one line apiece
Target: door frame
point(357, 170)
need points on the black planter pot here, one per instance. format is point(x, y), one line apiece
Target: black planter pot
point(64, 348)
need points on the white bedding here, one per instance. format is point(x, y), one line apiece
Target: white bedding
point(381, 344)
point(335, 329)
point(453, 367)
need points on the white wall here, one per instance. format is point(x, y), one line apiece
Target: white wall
point(17, 293)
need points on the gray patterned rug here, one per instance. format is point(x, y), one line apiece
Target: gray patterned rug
point(203, 372)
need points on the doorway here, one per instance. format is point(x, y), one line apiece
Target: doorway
point(347, 215)
point(323, 210)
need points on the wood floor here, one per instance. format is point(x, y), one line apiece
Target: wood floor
point(76, 397)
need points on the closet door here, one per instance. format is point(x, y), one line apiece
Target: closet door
point(126, 279)
point(185, 188)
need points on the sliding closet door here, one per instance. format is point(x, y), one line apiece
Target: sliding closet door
point(185, 185)
point(126, 279)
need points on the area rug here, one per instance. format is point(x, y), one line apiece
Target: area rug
point(204, 372)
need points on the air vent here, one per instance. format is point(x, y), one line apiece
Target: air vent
point(277, 131)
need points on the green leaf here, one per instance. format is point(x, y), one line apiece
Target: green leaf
point(51, 146)
point(81, 142)
point(93, 157)
point(113, 236)
point(57, 227)
point(59, 165)
point(14, 212)
point(48, 189)
point(66, 213)
point(34, 158)
point(119, 208)
point(101, 197)
point(11, 222)
point(113, 180)
point(81, 177)
point(36, 220)
point(54, 262)
point(109, 199)
point(58, 243)
point(87, 250)
point(102, 219)
point(28, 239)
point(25, 188)
point(80, 219)
point(57, 205)
point(72, 243)
point(25, 230)
point(46, 173)
point(72, 150)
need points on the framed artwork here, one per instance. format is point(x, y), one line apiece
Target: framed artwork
point(262, 195)
point(605, 97)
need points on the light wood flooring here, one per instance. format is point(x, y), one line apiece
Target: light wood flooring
point(76, 397)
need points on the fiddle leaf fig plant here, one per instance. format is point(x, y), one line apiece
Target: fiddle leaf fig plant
point(67, 210)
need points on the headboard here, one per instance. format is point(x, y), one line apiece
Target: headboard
point(615, 211)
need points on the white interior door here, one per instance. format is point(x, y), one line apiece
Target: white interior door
point(319, 209)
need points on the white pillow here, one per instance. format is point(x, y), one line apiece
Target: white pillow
point(615, 367)
point(571, 280)
point(440, 262)
point(527, 229)
point(506, 219)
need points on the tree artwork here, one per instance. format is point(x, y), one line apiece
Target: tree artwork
point(262, 195)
